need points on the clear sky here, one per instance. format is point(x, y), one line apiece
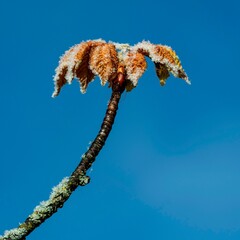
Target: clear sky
point(171, 166)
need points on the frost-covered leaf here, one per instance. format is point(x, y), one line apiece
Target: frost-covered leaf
point(165, 59)
point(104, 62)
point(93, 58)
point(135, 65)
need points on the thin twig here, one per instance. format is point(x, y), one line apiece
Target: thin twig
point(65, 188)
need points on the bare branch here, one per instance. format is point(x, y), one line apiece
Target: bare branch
point(66, 187)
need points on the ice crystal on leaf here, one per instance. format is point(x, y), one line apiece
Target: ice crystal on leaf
point(93, 58)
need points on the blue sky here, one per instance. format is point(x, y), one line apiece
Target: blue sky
point(171, 166)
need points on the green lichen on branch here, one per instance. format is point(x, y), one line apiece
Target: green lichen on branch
point(45, 209)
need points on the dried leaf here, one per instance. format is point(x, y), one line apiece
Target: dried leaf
point(96, 57)
point(135, 65)
point(166, 57)
point(162, 73)
point(81, 68)
point(104, 62)
point(61, 71)
point(74, 63)
point(59, 81)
